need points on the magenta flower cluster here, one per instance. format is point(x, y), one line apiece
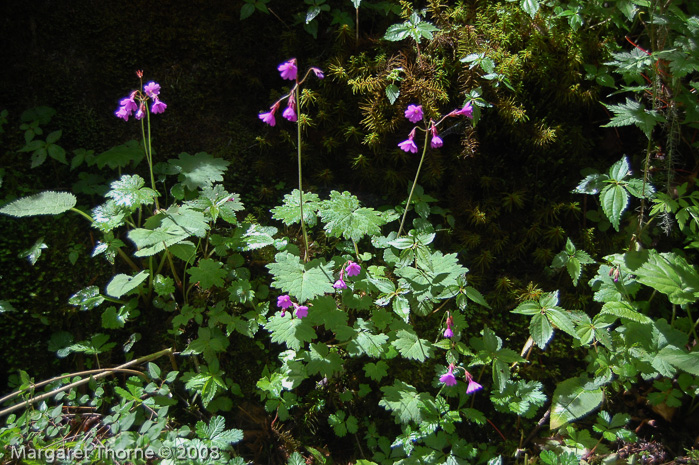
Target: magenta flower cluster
point(287, 70)
point(136, 101)
point(448, 379)
point(414, 114)
point(284, 302)
point(350, 269)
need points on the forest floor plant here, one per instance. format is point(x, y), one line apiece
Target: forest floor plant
point(373, 337)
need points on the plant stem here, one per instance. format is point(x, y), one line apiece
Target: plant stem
point(104, 372)
point(88, 217)
point(149, 154)
point(298, 151)
point(412, 189)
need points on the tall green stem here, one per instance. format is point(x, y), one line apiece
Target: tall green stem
point(298, 151)
point(149, 153)
point(412, 189)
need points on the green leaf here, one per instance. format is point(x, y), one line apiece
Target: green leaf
point(392, 93)
point(376, 371)
point(530, 7)
point(87, 298)
point(366, 340)
point(292, 332)
point(290, 213)
point(625, 310)
point(404, 402)
point(571, 401)
point(541, 330)
point(34, 252)
point(634, 113)
point(208, 273)
point(123, 284)
point(397, 32)
point(344, 217)
point(321, 360)
point(670, 274)
point(475, 296)
point(614, 199)
point(129, 191)
point(44, 203)
point(120, 156)
point(620, 170)
point(200, 170)
point(304, 281)
point(412, 347)
point(246, 11)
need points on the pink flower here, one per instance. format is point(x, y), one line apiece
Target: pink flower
point(140, 113)
point(448, 378)
point(353, 269)
point(318, 72)
point(467, 111)
point(268, 118)
point(408, 145)
point(448, 333)
point(158, 106)
point(152, 89)
point(288, 69)
point(129, 104)
point(414, 113)
point(436, 142)
point(340, 284)
point(123, 113)
point(290, 114)
point(301, 311)
point(284, 301)
point(472, 385)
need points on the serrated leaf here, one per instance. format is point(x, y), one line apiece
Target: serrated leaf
point(634, 113)
point(541, 330)
point(129, 191)
point(120, 156)
point(321, 360)
point(344, 217)
point(392, 93)
point(591, 184)
point(44, 203)
point(620, 170)
point(614, 200)
point(404, 402)
point(304, 281)
point(572, 401)
point(376, 371)
point(670, 274)
point(123, 284)
point(293, 332)
point(625, 310)
point(200, 170)
point(412, 347)
point(366, 341)
point(208, 273)
point(530, 7)
point(290, 213)
point(475, 295)
point(397, 32)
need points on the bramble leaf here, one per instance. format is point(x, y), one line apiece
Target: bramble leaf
point(411, 346)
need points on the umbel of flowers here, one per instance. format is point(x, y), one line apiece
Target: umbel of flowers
point(414, 114)
point(137, 101)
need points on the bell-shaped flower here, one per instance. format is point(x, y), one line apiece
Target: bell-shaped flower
point(472, 385)
point(448, 333)
point(123, 113)
point(353, 269)
point(408, 145)
point(340, 284)
point(467, 111)
point(288, 69)
point(436, 141)
point(301, 311)
point(269, 116)
point(141, 112)
point(290, 114)
point(129, 103)
point(158, 106)
point(318, 72)
point(414, 113)
point(448, 378)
